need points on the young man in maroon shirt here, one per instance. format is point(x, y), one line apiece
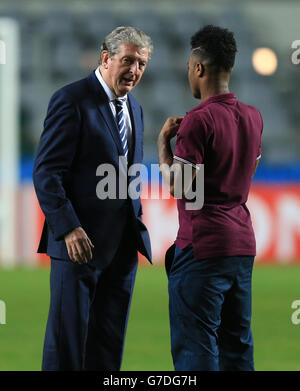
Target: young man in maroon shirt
point(210, 265)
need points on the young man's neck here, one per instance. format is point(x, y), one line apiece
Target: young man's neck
point(215, 87)
point(213, 92)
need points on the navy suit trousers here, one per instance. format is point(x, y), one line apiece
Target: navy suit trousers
point(210, 311)
point(88, 312)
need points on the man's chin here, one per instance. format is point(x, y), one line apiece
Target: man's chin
point(197, 95)
point(124, 90)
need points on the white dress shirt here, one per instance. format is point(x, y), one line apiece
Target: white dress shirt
point(111, 97)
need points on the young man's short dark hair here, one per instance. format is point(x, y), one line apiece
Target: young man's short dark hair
point(217, 45)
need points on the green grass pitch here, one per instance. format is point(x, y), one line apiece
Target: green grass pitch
point(26, 295)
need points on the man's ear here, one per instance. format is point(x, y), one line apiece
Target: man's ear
point(104, 58)
point(200, 69)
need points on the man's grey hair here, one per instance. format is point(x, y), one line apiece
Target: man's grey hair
point(126, 34)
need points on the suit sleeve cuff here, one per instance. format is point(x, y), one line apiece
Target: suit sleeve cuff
point(62, 221)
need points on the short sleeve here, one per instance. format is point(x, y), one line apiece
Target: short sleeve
point(191, 141)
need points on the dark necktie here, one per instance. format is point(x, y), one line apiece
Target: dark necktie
point(122, 125)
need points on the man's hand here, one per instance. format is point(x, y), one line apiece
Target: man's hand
point(79, 246)
point(171, 126)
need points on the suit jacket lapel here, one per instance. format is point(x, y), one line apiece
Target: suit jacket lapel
point(103, 106)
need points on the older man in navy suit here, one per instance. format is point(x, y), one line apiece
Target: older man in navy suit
point(92, 240)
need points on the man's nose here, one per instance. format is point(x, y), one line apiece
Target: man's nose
point(134, 68)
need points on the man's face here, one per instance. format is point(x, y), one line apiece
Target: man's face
point(124, 70)
point(193, 78)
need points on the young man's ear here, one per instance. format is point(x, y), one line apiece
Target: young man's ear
point(200, 69)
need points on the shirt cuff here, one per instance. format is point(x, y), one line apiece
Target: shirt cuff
point(258, 157)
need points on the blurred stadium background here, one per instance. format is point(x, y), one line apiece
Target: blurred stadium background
point(46, 45)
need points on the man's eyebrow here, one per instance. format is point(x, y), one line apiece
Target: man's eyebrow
point(132, 57)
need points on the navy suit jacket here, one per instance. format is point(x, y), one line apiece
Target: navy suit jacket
point(80, 133)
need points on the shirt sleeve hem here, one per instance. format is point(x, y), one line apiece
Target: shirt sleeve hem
point(186, 162)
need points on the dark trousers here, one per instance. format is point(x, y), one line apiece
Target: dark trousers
point(210, 311)
point(89, 312)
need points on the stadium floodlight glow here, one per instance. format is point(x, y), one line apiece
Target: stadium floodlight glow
point(9, 140)
point(264, 61)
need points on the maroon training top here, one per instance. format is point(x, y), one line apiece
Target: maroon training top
point(224, 135)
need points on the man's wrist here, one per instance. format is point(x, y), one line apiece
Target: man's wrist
point(67, 233)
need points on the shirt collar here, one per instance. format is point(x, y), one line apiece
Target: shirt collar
point(111, 96)
point(225, 98)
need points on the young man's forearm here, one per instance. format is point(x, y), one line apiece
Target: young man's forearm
point(165, 154)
